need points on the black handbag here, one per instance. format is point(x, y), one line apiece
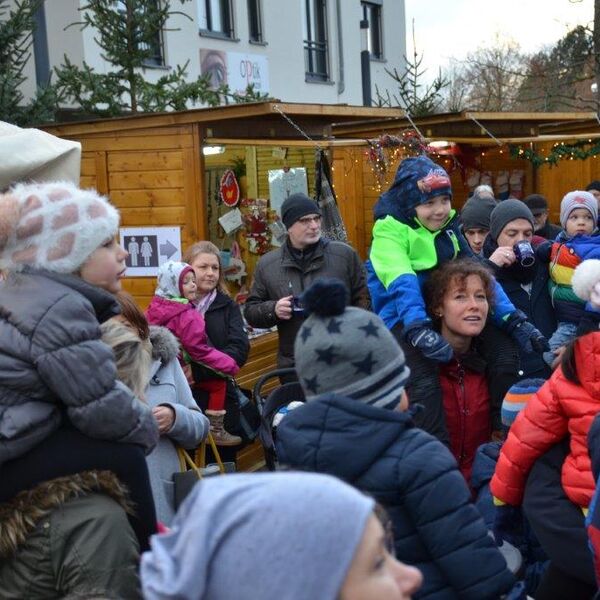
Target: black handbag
point(249, 421)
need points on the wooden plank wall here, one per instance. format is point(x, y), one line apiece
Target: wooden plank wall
point(153, 177)
point(555, 181)
point(357, 188)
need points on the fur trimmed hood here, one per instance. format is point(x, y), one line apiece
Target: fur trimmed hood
point(165, 346)
point(21, 515)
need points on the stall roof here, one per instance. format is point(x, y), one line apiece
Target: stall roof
point(241, 121)
point(475, 127)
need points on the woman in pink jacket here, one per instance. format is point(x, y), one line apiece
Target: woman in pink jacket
point(172, 307)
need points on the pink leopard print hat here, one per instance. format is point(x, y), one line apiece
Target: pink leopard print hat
point(54, 226)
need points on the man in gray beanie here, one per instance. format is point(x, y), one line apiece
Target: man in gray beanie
point(284, 273)
point(475, 221)
point(356, 425)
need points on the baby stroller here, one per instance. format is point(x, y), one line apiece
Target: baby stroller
point(268, 407)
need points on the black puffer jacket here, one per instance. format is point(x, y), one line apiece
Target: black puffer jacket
point(414, 476)
point(53, 360)
point(279, 274)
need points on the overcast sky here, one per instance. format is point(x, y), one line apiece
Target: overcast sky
point(452, 28)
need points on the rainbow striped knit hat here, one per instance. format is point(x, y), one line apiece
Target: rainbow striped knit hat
point(517, 397)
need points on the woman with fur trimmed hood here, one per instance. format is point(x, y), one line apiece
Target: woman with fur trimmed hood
point(162, 384)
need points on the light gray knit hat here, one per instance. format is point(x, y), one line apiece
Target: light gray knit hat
point(264, 536)
point(578, 199)
point(347, 350)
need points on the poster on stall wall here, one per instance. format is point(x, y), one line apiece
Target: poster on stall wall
point(148, 248)
point(285, 182)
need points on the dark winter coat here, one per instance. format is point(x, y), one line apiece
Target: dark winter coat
point(53, 360)
point(549, 231)
point(536, 304)
point(279, 274)
point(436, 528)
point(50, 539)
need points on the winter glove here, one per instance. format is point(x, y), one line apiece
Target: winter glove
point(526, 335)
point(431, 344)
point(507, 523)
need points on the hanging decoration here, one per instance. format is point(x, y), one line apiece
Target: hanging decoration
point(256, 226)
point(229, 189)
point(332, 224)
point(560, 151)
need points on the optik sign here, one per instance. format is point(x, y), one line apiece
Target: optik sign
point(246, 69)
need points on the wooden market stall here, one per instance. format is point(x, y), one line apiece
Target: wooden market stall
point(478, 144)
point(165, 170)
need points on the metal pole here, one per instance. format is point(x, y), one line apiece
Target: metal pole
point(365, 62)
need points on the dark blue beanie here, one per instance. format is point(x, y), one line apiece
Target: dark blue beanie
point(418, 180)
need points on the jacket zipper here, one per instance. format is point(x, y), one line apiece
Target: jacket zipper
point(464, 411)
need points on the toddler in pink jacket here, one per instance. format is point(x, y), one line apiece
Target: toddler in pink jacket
point(172, 307)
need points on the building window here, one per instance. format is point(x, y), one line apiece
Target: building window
point(316, 55)
point(155, 46)
point(255, 21)
point(372, 13)
point(216, 17)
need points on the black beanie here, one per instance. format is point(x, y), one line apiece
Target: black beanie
point(507, 211)
point(297, 206)
point(593, 185)
point(475, 214)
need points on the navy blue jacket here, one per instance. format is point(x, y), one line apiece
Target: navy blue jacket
point(414, 476)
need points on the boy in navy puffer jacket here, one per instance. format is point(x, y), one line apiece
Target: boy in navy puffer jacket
point(356, 426)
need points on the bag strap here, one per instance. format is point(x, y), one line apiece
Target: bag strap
point(186, 462)
point(201, 454)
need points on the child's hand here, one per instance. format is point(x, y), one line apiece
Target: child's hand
point(429, 342)
point(165, 417)
point(503, 256)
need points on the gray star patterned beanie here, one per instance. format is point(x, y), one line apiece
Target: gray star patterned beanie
point(347, 350)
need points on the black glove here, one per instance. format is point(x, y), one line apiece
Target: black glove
point(507, 524)
point(526, 335)
point(430, 343)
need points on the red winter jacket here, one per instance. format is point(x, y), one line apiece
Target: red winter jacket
point(466, 399)
point(187, 325)
point(558, 408)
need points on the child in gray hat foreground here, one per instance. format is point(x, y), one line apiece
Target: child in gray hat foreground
point(356, 426)
point(275, 536)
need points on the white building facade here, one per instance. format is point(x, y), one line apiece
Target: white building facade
point(293, 50)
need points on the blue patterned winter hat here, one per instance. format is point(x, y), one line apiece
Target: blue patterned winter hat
point(346, 350)
point(418, 180)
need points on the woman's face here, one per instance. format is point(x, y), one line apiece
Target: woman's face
point(375, 574)
point(206, 267)
point(464, 308)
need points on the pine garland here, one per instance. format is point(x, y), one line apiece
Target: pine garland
point(560, 151)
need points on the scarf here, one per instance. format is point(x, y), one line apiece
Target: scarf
point(205, 301)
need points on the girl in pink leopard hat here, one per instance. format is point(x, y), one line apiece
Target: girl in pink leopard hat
point(62, 411)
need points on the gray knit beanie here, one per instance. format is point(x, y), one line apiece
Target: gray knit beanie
point(347, 350)
point(507, 211)
point(476, 212)
point(577, 199)
point(263, 535)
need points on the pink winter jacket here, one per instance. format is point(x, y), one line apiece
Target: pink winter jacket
point(187, 324)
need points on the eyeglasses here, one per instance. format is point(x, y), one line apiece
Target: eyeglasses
point(308, 220)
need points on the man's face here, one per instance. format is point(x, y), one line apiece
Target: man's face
point(540, 218)
point(305, 231)
point(475, 236)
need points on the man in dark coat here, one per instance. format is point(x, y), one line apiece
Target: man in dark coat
point(283, 274)
point(355, 425)
point(538, 205)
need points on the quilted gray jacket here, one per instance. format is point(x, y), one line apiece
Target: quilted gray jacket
point(52, 361)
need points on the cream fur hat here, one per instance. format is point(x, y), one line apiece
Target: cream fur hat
point(54, 226)
point(34, 155)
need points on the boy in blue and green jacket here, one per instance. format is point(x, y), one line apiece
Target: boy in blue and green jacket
point(416, 230)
